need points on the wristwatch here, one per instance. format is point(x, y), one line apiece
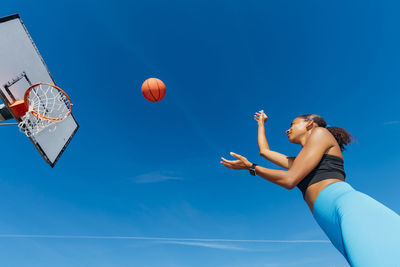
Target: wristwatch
point(253, 169)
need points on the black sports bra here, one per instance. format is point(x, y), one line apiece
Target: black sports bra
point(330, 167)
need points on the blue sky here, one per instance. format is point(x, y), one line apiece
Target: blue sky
point(141, 183)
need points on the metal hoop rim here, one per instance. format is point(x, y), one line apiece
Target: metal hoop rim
point(39, 115)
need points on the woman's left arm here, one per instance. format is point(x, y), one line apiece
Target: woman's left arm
point(308, 158)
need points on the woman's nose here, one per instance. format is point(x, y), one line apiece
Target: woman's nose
point(287, 131)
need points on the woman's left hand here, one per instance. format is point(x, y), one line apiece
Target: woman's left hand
point(240, 164)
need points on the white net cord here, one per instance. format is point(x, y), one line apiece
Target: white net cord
point(47, 106)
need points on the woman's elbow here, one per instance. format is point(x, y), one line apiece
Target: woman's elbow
point(290, 183)
point(289, 186)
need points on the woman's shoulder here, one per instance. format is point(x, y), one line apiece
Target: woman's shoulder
point(321, 132)
point(321, 137)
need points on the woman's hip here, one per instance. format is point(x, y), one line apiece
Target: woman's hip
point(362, 229)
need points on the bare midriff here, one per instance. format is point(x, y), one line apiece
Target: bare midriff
point(313, 191)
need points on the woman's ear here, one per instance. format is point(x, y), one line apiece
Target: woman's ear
point(309, 124)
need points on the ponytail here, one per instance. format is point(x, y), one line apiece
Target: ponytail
point(342, 136)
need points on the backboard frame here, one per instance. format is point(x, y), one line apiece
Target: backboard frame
point(8, 100)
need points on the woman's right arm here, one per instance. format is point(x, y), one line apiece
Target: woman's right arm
point(273, 156)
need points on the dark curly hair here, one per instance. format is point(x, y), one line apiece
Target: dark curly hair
point(342, 136)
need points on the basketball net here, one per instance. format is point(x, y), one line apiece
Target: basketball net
point(47, 105)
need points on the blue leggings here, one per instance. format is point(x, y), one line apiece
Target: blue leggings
point(366, 232)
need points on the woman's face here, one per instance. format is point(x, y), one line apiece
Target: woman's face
point(297, 130)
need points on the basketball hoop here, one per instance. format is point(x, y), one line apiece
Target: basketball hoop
point(44, 105)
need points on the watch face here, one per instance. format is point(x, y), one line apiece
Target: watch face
point(253, 169)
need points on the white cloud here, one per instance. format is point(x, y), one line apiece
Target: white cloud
point(154, 177)
point(221, 244)
point(207, 245)
point(164, 239)
point(391, 122)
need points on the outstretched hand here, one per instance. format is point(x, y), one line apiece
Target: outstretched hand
point(240, 164)
point(261, 117)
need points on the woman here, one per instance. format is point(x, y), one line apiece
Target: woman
point(366, 232)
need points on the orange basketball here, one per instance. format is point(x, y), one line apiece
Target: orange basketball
point(153, 89)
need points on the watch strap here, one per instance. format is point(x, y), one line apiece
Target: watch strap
point(253, 169)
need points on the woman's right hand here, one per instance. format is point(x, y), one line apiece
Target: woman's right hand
point(260, 117)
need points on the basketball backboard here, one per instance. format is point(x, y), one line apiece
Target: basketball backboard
point(21, 66)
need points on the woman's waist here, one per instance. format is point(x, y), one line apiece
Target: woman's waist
point(329, 193)
point(313, 191)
